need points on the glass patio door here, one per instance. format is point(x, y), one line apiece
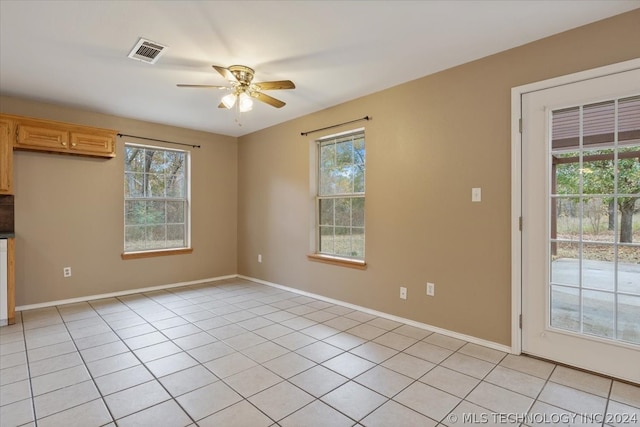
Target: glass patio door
point(581, 209)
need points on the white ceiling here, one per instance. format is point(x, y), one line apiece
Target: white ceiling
point(75, 52)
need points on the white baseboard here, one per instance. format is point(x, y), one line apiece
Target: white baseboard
point(122, 293)
point(446, 332)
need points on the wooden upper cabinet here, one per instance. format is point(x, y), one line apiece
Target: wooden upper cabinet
point(6, 156)
point(56, 137)
point(95, 142)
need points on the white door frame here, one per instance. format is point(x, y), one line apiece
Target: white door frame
point(516, 180)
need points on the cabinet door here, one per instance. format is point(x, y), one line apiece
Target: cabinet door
point(42, 138)
point(6, 157)
point(93, 144)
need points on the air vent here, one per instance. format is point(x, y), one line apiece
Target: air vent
point(147, 51)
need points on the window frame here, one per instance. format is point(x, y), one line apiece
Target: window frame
point(154, 252)
point(316, 157)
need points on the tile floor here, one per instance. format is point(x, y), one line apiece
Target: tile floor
point(237, 353)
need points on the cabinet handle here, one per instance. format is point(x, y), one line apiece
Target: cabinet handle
point(73, 144)
point(64, 144)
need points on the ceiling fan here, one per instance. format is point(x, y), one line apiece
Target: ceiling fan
point(243, 91)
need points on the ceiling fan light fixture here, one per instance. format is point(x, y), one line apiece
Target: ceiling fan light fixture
point(245, 102)
point(229, 100)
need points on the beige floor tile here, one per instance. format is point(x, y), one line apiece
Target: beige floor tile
point(135, 399)
point(316, 414)
point(366, 331)
point(344, 341)
point(273, 331)
point(516, 381)
point(281, 400)
point(294, 340)
point(210, 352)
point(228, 365)
point(264, 352)
point(252, 381)
point(15, 392)
point(245, 340)
point(157, 351)
point(619, 414)
point(408, 365)
point(298, 323)
point(467, 413)
point(120, 380)
point(65, 398)
point(13, 347)
point(13, 359)
point(384, 381)
point(348, 365)
point(412, 332)
point(341, 323)
point(170, 364)
point(572, 399)
point(626, 393)
point(93, 341)
point(112, 364)
point(53, 364)
point(528, 365)
point(227, 331)
point(318, 380)
point(445, 341)
point(590, 383)
point(241, 414)
point(319, 351)
point(289, 365)
point(135, 331)
point(209, 399)
point(395, 341)
point(255, 323)
point(145, 340)
point(92, 413)
point(104, 350)
point(429, 352)
point(13, 374)
point(181, 331)
point(394, 414)
point(320, 331)
point(542, 414)
point(427, 400)
point(360, 316)
point(354, 400)
point(386, 324)
point(17, 413)
point(187, 380)
point(59, 379)
point(373, 352)
point(452, 382)
point(483, 353)
point(167, 414)
point(499, 399)
point(190, 342)
point(468, 365)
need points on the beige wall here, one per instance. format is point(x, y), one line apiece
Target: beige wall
point(69, 212)
point(430, 142)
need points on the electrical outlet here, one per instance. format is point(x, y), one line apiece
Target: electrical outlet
point(476, 194)
point(403, 292)
point(259, 257)
point(431, 289)
point(66, 272)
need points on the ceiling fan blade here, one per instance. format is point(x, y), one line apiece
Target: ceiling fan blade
point(203, 86)
point(268, 99)
point(225, 73)
point(279, 84)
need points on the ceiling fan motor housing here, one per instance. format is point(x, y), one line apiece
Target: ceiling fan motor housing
point(243, 74)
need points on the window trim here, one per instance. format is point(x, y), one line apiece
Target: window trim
point(316, 255)
point(150, 253)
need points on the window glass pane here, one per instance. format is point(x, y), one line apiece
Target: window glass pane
point(567, 218)
point(598, 124)
point(344, 153)
point(176, 186)
point(175, 236)
point(134, 212)
point(359, 152)
point(156, 213)
point(326, 240)
point(358, 179)
point(357, 212)
point(175, 212)
point(155, 185)
point(598, 172)
point(565, 308)
point(597, 313)
point(598, 266)
point(343, 212)
point(326, 212)
point(629, 318)
point(565, 129)
point(157, 236)
point(342, 241)
point(133, 185)
point(135, 238)
point(565, 265)
point(567, 173)
point(595, 220)
point(327, 156)
point(134, 159)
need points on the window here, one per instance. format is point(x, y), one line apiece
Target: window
point(156, 198)
point(340, 197)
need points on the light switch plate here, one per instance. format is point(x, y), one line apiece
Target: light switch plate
point(476, 194)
